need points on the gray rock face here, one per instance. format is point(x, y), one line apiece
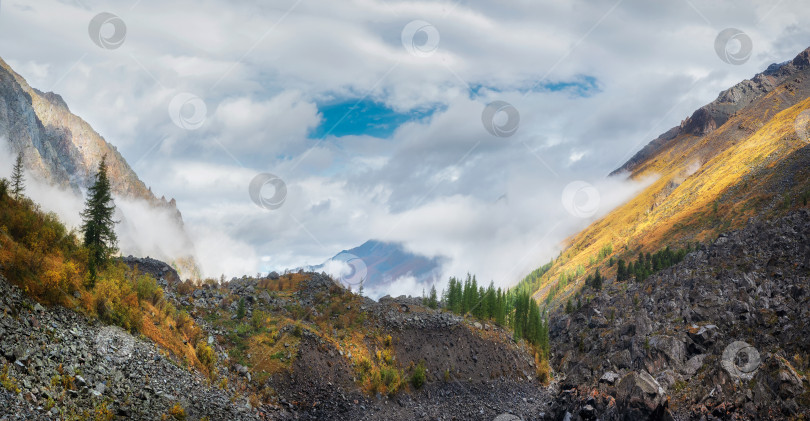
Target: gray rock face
point(60, 147)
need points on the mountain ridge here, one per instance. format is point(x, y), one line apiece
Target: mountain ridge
point(754, 164)
point(709, 117)
point(63, 150)
point(58, 145)
point(386, 262)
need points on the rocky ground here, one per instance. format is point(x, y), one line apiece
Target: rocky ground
point(62, 365)
point(488, 373)
point(722, 335)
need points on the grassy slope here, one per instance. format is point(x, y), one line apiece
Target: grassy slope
point(750, 165)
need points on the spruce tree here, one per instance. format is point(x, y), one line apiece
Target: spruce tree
point(98, 225)
point(17, 179)
point(3, 188)
point(533, 325)
point(597, 280)
point(433, 299)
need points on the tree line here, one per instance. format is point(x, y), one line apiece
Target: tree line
point(647, 264)
point(512, 308)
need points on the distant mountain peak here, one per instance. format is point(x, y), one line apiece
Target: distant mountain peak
point(383, 263)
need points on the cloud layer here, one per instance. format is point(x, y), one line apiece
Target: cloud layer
point(591, 81)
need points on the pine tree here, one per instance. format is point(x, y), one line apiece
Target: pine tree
point(621, 273)
point(433, 299)
point(533, 325)
point(492, 301)
point(500, 308)
point(3, 188)
point(17, 178)
point(597, 280)
point(240, 309)
point(98, 225)
point(521, 316)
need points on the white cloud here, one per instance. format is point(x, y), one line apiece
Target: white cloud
point(441, 185)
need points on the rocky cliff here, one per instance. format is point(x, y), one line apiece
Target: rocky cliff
point(59, 146)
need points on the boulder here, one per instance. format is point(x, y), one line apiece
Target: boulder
point(673, 348)
point(639, 396)
point(609, 378)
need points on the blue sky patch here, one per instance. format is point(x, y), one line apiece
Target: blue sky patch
point(581, 86)
point(365, 117)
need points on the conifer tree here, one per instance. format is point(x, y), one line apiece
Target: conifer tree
point(17, 178)
point(597, 280)
point(534, 324)
point(3, 188)
point(98, 225)
point(621, 271)
point(433, 299)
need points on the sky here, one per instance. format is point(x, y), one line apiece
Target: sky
point(475, 130)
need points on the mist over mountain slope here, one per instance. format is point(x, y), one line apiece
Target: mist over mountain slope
point(716, 336)
point(61, 153)
point(59, 146)
point(743, 155)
